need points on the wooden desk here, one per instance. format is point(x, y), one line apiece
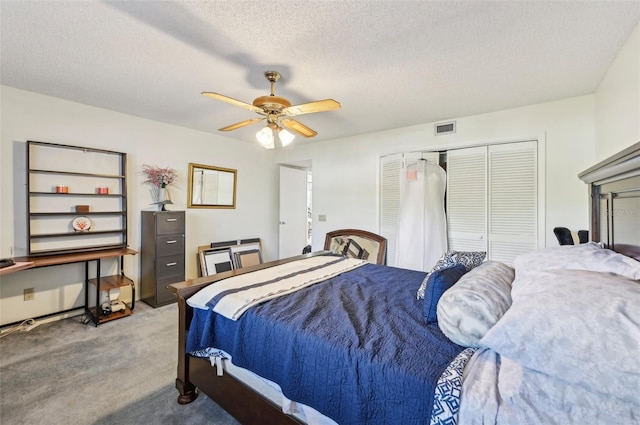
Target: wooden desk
point(19, 265)
point(78, 257)
point(100, 282)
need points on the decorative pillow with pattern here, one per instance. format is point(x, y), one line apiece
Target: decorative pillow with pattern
point(446, 399)
point(437, 283)
point(470, 259)
point(475, 303)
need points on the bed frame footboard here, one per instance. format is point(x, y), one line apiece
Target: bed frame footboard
point(196, 375)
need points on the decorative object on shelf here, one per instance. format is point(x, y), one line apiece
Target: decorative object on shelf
point(81, 224)
point(102, 190)
point(160, 179)
point(82, 208)
point(114, 304)
point(62, 188)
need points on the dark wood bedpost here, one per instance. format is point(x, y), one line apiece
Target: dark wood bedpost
point(187, 391)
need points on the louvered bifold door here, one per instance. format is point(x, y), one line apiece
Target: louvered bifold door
point(467, 199)
point(512, 200)
point(390, 167)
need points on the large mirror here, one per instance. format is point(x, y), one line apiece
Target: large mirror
point(211, 187)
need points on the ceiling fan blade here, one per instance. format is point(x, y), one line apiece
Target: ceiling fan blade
point(232, 101)
point(240, 124)
point(298, 127)
point(311, 107)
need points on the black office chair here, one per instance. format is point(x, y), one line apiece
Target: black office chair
point(306, 249)
point(564, 236)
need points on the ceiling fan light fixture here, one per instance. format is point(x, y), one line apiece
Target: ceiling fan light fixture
point(286, 137)
point(276, 110)
point(265, 137)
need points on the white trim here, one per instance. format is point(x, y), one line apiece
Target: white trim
point(474, 143)
point(542, 190)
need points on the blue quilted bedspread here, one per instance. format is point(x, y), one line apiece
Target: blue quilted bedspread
point(355, 347)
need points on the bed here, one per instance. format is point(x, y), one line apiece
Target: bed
point(552, 338)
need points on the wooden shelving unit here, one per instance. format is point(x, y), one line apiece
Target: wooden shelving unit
point(106, 283)
point(62, 182)
point(81, 171)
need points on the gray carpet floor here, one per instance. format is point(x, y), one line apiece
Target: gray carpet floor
point(121, 372)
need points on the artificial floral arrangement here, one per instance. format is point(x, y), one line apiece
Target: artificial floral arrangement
point(159, 179)
point(158, 176)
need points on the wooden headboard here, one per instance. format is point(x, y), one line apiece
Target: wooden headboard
point(614, 187)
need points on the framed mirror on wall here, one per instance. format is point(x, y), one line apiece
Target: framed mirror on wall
point(211, 187)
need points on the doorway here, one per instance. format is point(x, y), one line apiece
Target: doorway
point(295, 225)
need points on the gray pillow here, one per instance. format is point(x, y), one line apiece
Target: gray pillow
point(471, 307)
point(588, 256)
point(581, 327)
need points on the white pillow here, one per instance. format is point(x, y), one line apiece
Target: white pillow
point(468, 309)
point(582, 327)
point(587, 256)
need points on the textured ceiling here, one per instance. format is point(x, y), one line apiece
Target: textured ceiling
point(389, 63)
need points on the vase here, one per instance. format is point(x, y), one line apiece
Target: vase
point(161, 197)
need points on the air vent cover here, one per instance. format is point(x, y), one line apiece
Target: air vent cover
point(445, 128)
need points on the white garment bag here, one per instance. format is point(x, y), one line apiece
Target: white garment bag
point(421, 238)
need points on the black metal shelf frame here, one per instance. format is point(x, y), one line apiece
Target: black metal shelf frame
point(66, 242)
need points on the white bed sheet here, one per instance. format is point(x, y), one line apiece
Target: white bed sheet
point(272, 392)
point(497, 390)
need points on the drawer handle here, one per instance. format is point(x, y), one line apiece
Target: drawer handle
point(172, 219)
point(171, 264)
point(170, 242)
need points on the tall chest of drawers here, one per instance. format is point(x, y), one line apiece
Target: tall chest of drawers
point(162, 256)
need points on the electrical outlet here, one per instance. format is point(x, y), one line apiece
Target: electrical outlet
point(29, 294)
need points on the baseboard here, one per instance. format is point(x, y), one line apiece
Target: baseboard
point(48, 318)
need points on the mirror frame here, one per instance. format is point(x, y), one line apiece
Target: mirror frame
point(192, 166)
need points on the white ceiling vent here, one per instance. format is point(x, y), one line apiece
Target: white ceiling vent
point(445, 128)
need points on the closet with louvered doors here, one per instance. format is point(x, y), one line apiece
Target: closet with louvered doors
point(492, 199)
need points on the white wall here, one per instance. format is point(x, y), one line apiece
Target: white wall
point(31, 116)
point(345, 171)
point(576, 131)
point(618, 101)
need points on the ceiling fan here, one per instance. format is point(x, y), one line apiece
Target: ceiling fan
point(275, 111)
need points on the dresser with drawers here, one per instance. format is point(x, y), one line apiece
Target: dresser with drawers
point(162, 255)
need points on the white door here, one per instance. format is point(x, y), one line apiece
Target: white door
point(293, 211)
point(492, 199)
point(513, 200)
point(467, 199)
